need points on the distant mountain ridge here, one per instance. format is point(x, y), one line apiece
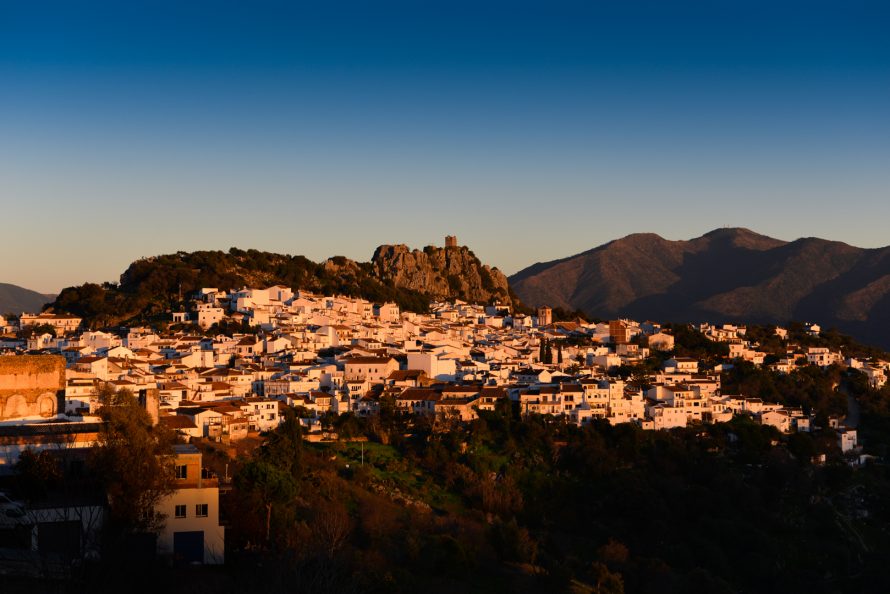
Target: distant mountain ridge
point(731, 274)
point(152, 287)
point(15, 299)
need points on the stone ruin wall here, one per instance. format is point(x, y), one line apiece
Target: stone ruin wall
point(31, 385)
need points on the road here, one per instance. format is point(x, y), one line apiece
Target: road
point(853, 408)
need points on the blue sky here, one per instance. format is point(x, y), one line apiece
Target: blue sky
point(531, 130)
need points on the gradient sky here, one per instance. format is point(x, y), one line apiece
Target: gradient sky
point(533, 131)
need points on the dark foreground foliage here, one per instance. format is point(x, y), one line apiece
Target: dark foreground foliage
point(511, 504)
point(524, 505)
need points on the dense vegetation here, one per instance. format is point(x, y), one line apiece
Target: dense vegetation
point(775, 347)
point(513, 504)
point(529, 504)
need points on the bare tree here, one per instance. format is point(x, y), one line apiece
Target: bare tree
point(331, 527)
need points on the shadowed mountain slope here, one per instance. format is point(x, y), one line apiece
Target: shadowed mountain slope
point(725, 275)
point(15, 299)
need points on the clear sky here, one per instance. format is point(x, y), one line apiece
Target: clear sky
point(532, 131)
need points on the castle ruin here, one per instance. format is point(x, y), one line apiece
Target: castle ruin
point(31, 385)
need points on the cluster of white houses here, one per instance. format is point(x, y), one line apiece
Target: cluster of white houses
point(322, 354)
point(328, 354)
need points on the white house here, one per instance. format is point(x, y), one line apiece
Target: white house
point(434, 365)
point(846, 439)
point(681, 365)
point(208, 315)
point(192, 533)
point(372, 369)
point(661, 341)
point(778, 419)
point(666, 417)
point(822, 357)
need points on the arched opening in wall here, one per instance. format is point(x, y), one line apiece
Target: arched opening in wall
point(16, 406)
point(46, 404)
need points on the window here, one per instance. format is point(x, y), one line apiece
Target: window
point(180, 511)
point(201, 510)
point(181, 471)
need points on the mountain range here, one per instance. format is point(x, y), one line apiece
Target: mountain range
point(15, 299)
point(727, 275)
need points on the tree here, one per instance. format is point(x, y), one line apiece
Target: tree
point(37, 330)
point(513, 542)
point(640, 379)
point(36, 473)
point(134, 460)
point(284, 449)
point(546, 355)
point(605, 581)
point(267, 485)
point(331, 527)
point(272, 478)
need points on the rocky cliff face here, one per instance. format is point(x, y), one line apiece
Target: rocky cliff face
point(452, 272)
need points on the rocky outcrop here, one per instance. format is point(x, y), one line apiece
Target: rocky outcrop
point(451, 272)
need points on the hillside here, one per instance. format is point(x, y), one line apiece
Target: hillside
point(725, 275)
point(151, 287)
point(15, 299)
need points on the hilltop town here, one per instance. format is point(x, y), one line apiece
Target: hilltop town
point(330, 354)
point(233, 363)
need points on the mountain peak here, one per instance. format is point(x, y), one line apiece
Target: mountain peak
point(741, 237)
point(726, 275)
point(15, 299)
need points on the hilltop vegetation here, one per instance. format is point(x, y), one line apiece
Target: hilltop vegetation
point(151, 287)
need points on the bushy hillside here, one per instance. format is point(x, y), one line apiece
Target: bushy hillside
point(150, 287)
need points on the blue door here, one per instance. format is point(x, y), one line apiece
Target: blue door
point(188, 547)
